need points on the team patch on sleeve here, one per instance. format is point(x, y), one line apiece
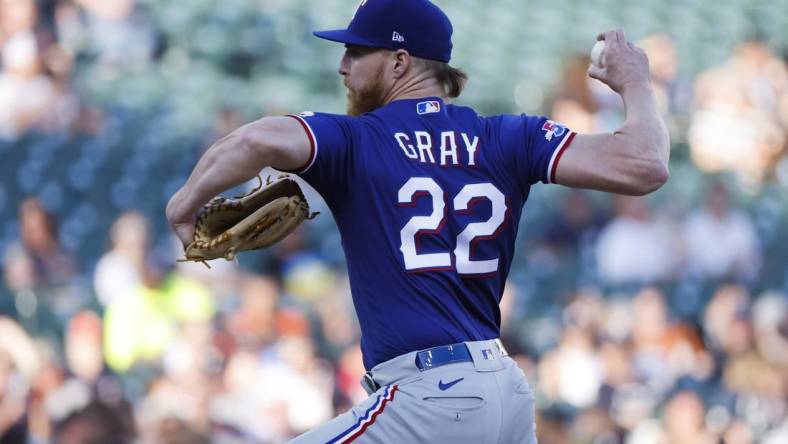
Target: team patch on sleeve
point(553, 129)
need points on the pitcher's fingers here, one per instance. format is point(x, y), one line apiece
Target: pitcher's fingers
point(620, 36)
point(185, 233)
point(596, 72)
point(610, 37)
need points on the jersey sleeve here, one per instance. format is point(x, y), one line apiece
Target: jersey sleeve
point(331, 139)
point(536, 144)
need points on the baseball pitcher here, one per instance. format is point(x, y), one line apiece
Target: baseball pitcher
point(428, 197)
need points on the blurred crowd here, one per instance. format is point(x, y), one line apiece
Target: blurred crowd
point(638, 320)
point(146, 350)
point(48, 46)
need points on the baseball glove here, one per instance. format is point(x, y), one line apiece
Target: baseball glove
point(251, 221)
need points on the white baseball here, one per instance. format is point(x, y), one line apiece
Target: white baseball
point(596, 53)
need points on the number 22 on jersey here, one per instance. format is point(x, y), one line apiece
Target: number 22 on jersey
point(432, 224)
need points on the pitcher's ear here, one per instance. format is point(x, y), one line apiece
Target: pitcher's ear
point(402, 62)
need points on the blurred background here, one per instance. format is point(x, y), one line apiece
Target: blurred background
point(638, 320)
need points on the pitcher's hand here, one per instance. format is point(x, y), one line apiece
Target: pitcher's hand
point(181, 221)
point(622, 64)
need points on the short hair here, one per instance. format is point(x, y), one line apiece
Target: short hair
point(452, 80)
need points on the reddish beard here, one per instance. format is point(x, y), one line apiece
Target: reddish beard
point(369, 97)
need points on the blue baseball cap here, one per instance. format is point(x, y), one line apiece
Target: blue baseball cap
point(417, 26)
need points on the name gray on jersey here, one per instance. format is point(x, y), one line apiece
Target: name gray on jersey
point(447, 154)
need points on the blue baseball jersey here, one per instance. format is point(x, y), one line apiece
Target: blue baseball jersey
point(428, 197)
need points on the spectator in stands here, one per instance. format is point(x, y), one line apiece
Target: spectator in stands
point(303, 381)
point(139, 327)
point(83, 350)
point(18, 271)
point(618, 371)
point(26, 92)
point(350, 369)
point(121, 269)
point(684, 420)
point(725, 322)
point(777, 435)
point(572, 373)
point(664, 350)
point(253, 324)
point(38, 232)
point(337, 321)
point(737, 124)
point(17, 18)
point(96, 423)
point(13, 421)
point(594, 422)
point(575, 105)
point(672, 90)
point(172, 430)
point(574, 227)
point(242, 407)
point(181, 395)
point(770, 323)
point(66, 109)
point(650, 327)
point(636, 246)
point(755, 375)
point(738, 432)
point(720, 240)
point(19, 364)
point(116, 32)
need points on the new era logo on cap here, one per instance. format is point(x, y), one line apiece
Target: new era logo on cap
point(428, 107)
point(397, 37)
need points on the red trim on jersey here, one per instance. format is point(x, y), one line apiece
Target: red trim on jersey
point(312, 145)
point(563, 148)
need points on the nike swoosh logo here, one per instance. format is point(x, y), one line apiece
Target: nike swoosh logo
point(448, 385)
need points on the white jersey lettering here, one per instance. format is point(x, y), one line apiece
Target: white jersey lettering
point(448, 147)
point(404, 142)
point(424, 145)
point(471, 146)
point(449, 150)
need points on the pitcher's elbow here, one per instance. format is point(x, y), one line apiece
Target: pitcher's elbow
point(653, 178)
point(662, 175)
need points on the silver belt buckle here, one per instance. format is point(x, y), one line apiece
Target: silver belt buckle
point(369, 384)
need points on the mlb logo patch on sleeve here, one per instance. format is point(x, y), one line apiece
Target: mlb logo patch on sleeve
point(428, 107)
point(552, 129)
